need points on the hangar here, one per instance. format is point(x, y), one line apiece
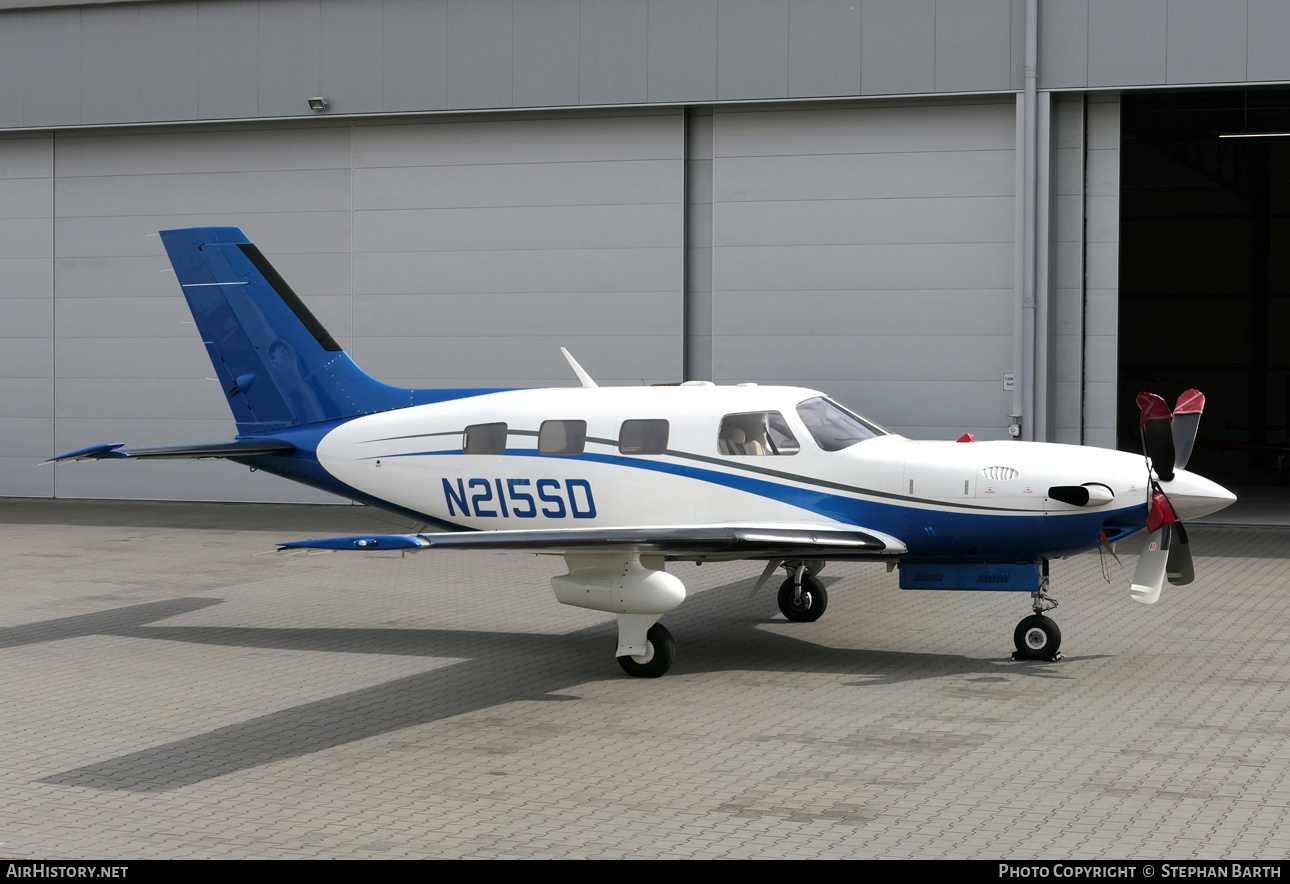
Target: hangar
point(991, 216)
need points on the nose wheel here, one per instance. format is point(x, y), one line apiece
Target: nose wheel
point(1037, 637)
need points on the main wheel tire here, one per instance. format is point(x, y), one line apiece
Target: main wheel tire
point(1037, 638)
point(660, 651)
point(811, 604)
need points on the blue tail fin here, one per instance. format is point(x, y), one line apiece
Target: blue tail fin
point(279, 367)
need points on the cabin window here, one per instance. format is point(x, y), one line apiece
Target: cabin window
point(484, 439)
point(643, 437)
point(834, 427)
point(756, 433)
point(562, 437)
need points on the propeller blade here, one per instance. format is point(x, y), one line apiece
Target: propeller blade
point(1157, 434)
point(1179, 570)
point(1150, 573)
point(1186, 419)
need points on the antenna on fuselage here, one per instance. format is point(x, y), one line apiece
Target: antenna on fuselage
point(579, 370)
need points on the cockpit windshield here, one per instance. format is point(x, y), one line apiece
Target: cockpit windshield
point(833, 426)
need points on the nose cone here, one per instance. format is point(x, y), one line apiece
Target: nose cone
point(1195, 496)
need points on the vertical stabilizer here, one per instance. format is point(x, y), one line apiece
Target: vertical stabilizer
point(278, 366)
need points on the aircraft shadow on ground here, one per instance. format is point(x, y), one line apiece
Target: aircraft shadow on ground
point(717, 630)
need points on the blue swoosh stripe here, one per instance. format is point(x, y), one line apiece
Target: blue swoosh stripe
point(887, 517)
point(816, 501)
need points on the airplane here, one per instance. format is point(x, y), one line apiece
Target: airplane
point(622, 480)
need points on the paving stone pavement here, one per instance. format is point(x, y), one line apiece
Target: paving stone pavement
point(166, 693)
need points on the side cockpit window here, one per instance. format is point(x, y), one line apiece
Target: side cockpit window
point(643, 437)
point(834, 427)
point(562, 437)
point(484, 439)
point(756, 433)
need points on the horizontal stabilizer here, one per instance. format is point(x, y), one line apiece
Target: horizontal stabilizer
point(740, 542)
point(93, 452)
point(231, 448)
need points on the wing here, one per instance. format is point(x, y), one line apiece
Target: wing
point(230, 448)
point(734, 542)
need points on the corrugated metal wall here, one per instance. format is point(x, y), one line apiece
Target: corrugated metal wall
point(1102, 271)
point(26, 313)
point(1122, 43)
point(868, 251)
point(866, 248)
point(1067, 268)
point(1085, 268)
point(448, 253)
point(129, 362)
point(482, 246)
point(231, 59)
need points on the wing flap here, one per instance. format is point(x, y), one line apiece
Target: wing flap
point(229, 448)
point(733, 542)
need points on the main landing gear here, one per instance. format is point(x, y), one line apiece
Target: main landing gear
point(1037, 637)
point(802, 597)
point(637, 589)
point(660, 651)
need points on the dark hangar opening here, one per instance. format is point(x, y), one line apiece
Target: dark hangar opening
point(1205, 272)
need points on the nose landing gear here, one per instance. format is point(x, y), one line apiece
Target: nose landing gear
point(1037, 637)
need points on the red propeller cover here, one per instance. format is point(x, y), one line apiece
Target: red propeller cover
point(1154, 408)
point(1161, 512)
point(966, 437)
point(1190, 402)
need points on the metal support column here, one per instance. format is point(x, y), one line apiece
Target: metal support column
point(1031, 316)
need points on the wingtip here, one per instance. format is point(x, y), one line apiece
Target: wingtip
point(360, 542)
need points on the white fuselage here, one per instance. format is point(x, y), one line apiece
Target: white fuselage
point(414, 458)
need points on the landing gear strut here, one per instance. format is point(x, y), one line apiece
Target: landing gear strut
point(802, 597)
point(1037, 637)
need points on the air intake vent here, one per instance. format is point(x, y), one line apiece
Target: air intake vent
point(999, 474)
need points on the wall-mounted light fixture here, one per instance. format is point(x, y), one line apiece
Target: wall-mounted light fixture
point(1269, 117)
point(318, 104)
